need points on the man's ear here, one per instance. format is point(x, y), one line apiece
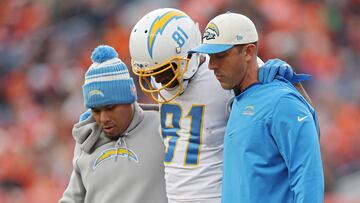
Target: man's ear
point(249, 51)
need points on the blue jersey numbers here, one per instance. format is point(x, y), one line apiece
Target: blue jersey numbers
point(170, 131)
point(171, 121)
point(179, 36)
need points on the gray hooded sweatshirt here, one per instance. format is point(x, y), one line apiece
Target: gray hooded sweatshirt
point(127, 170)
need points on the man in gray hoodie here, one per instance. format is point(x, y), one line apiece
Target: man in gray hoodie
point(119, 154)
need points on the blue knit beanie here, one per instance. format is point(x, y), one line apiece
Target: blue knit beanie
point(107, 80)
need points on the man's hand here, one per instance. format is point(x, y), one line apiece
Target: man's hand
point(277, 67)
point(85, 115)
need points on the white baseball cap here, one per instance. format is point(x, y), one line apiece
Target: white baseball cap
point(226, 30)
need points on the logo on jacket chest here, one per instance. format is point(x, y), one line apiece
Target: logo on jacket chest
point(115, 153)
point(249, 110)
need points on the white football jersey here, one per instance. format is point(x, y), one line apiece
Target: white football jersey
point(193, 126)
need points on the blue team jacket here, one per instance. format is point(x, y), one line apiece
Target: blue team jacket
point(271, 148)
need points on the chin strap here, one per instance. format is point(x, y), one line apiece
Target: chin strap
point(175, 89)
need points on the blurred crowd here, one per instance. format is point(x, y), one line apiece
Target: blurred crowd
point(45, 48)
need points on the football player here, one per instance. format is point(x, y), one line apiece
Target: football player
point(193, 106)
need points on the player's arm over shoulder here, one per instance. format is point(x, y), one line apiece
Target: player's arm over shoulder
point(146, 107)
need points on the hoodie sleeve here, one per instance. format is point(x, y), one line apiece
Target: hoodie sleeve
point(75, 191)
point(295, 132)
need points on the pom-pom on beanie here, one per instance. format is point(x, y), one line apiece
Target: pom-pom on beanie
point(107, 81)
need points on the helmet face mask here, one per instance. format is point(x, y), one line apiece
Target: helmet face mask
point(171, 73)
point(159, 43)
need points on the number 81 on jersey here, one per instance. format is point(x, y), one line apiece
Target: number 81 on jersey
point(171, 132)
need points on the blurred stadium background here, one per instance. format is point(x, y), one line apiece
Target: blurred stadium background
point(45, 48)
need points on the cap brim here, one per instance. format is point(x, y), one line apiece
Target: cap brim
point(210, 48)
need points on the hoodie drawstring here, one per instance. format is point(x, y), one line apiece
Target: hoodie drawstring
point(118, 145)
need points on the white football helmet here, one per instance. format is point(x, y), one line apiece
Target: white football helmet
point(159, 42)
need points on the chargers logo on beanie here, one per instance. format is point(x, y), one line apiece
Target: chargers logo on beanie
point(107, 81)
